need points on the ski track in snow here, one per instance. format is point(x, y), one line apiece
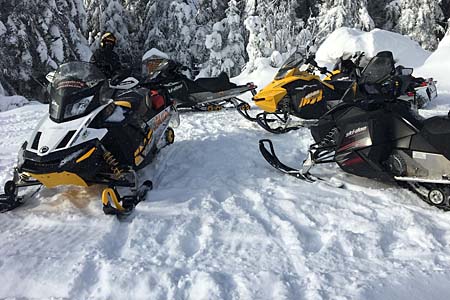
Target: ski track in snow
point(221, 223)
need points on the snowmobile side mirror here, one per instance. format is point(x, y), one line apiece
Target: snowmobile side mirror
point(127, 83)
point(50, 76)
point(407, 71)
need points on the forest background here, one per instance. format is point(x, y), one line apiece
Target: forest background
point(208, 36)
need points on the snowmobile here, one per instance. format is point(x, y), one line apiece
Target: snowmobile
point(202, 94)
point(297, 97)
point(417, 90)
point(98, 131)
point(380, 138)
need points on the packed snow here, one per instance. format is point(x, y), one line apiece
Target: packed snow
point(438, 64)
point(223, 224)
point(347, 40)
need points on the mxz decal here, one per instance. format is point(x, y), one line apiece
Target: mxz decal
point(311, 98)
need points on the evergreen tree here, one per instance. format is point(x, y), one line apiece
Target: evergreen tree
point(35, 37)
point(418, 19)
point(278, 26)
point(334, 14)
point(226, 44)
point(108, 15)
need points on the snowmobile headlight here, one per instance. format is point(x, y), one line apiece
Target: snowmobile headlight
point(78, 107)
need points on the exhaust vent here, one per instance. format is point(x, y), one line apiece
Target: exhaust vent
point(35, 144)
point(66, 139)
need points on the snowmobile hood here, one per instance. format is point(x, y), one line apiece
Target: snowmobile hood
point(51, 136)
point(269, 97)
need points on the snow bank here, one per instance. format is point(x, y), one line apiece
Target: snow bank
point(346, 40)
point(261, 76)
point(11, 102)
point(438, 65)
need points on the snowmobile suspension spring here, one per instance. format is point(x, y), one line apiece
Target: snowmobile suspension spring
point(113, 163)
point(329, 138)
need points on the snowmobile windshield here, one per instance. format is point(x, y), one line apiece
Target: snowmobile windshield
point(295, 60)
point(378, 70)
point(153, 66)
point(74, 90)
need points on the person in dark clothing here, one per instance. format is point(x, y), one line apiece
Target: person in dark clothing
point(104, 57)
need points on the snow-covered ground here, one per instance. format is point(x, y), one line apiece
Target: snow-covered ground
point(223, 224)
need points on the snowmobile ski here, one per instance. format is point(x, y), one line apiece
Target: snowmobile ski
point(272, 159)
point(11, 200)
point(114, 204)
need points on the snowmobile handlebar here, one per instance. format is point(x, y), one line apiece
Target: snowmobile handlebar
point(312, 61)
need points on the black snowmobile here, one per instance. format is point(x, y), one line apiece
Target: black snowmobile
point(381, 138)
point(417, 90)
point(97, 132)
point(203, 94)
point(298, 97)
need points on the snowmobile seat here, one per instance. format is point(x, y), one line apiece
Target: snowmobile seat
point(213, 84)
point(436, 131)
point(156, 101)
point(437, 125)
point(134, 97)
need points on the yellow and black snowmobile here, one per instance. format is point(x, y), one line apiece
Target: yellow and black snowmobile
point(298, 97)
point(97, 131)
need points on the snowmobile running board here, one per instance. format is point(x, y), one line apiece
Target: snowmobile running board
point(422, 180)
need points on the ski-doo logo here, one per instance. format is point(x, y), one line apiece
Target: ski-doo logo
point(311, 98)
point(44, 150)
point(355, 131)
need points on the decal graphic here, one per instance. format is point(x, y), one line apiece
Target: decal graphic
point(312, 98)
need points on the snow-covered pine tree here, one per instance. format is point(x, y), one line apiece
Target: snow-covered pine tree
point(226, 44)
point(280, 25)
point(170, 26)
point(35, 37)
point(418, 19)
point(178, 26)
point(152, 35)
point(334, 14)
point(234, 50)
point(109, 15)
point(377, 10)
point(258, 42)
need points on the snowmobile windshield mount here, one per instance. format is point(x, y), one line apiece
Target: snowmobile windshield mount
point(295, 60)
point(379, 68)
point(74, 91)
point(153, 66)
